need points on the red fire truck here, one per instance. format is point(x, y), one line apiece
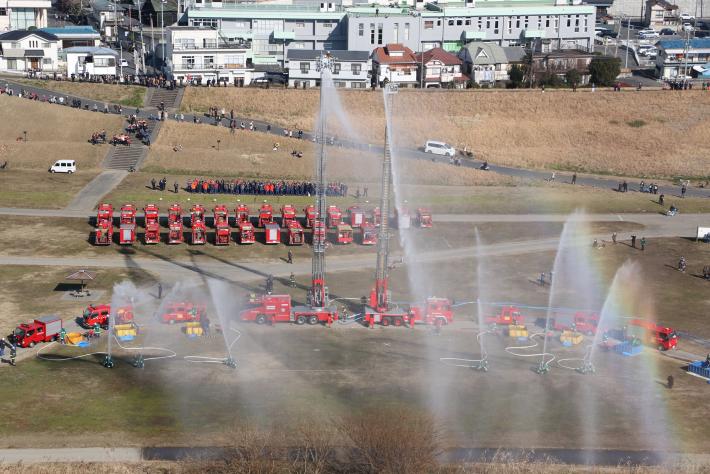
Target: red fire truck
point(93, 315)
point(272, 233)
point(423, 218)
point(199, 233)
point(434, 309)
point(104, 213)
point(663, 338)
point(344, 234)
point(222, 233)
point(197, 213)
point(581, 321)
point(319, 232)
point(103, 234)
point(220, 212)
point(288, 214)
point(175, 213)
point(374, 217)
point(508, 315)
point(246, 233)
point(295, 233)
point(277, 308)
point(44, 329)
point(368, 234)
point(357, 216)
point(310, 212)
point(266, 215)
point(175, 233)
point(335, 216)
point(241, 214)
point(152, 225)
point(182, 312)
point(127, 231)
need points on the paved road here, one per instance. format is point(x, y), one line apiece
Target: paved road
point(88, 198)
point(277, 131)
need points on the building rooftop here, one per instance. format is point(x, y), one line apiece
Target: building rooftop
point(486, 53)
point(93, 50)
point(21, 34)
point(341, 55)
point(439, 54)
point(402, 55)
point(72, 31)
point(696, 43)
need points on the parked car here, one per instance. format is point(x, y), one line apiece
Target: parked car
point(439, 148)
point(607, 34)
point(124, 63)
point(648, 34)
point(702, 33)
point(646, 50)
point(667, 32)
point(686, 17)
point(63, 166)
point(688, 27)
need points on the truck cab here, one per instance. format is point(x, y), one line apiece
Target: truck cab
point(335, 216)
point(288, 215)
point(267, 307)
point(181, 312)
point(508, 315)
point(310, 212)
point(661, 337)
point(96, 314)
point(44, 329)
point(242, 214)
point(266, 215)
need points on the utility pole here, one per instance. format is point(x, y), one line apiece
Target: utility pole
point(628, 30)
point(162, 28)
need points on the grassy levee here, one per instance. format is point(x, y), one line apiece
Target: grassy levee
point(127, 95)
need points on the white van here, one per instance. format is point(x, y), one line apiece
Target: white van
point(439, 148)
point(63, 166)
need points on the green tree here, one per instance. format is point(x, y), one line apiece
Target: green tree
point(516, 76)
point(604, 71)
point(573, 78)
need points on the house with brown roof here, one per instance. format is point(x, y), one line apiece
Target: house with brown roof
point(394, 63)
point(439, 68)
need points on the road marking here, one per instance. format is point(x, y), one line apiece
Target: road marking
point(619, 217)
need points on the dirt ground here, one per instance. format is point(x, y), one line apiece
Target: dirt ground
point(349, 368)
point(650, 134)
point(25, 188)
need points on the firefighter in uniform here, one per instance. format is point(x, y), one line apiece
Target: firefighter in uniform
point(289, 257)
point(272, 320)
point(63, 336)
point(372, 322)
point(97, 329)
point(292, 280)
point(329, 321)
point(13, 354)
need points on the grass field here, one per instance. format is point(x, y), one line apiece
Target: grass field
point(130, 96)
point(250, 155)
point(536, 199)
point(584, 132)
point(39, 189)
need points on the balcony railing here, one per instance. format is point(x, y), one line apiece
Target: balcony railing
point(215, 45)
point(208, 66)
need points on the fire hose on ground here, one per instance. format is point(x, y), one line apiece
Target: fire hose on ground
point(478, 364)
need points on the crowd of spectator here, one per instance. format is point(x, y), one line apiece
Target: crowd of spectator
point(276, 188)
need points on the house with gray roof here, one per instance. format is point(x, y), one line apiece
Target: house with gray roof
point(350, 69)
point(23, 51)
point(485, 63)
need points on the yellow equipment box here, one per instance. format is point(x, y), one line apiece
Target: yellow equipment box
point(517, 331)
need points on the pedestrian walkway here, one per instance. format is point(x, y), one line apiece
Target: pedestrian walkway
point(169, 98)
point(88, 198)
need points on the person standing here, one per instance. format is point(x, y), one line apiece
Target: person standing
point(633, 241)
point(574, 178)
point(542, 279)
point(289, 257)
point(643, 243)
point(160, 291)
point(13, 355)
point(613, 238)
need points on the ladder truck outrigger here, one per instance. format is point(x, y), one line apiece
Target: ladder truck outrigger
point(380, 310)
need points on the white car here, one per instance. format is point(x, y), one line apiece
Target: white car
point(648, 34)
point(647, 50)
point(688, 27)
point(439, 148)
point(63, 166)
point(124, 63)
point(686, 17)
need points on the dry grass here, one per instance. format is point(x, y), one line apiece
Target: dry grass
point(586, 132)
point(53, 133)
point(116, 94)
point(249, 154)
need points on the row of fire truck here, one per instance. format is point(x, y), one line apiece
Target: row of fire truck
point(343, 226)
point(662, 337)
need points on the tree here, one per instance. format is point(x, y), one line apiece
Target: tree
point(71, 7)
point(604, 71)
point(516, 76)
point(573, 78)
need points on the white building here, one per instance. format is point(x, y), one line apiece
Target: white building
point(91, 61)
point(438, 68)
point(201, 54)
point(395, 63)
point(22, 14)
point(351, 69)
point(485, 63)
point(24, 51)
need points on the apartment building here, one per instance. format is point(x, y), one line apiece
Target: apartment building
point(546, 25)
point(273, 29)
point(350, 70)
point(200, 54)
point(23, 14)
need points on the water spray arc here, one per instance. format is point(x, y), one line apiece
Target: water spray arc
point(319, 291)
